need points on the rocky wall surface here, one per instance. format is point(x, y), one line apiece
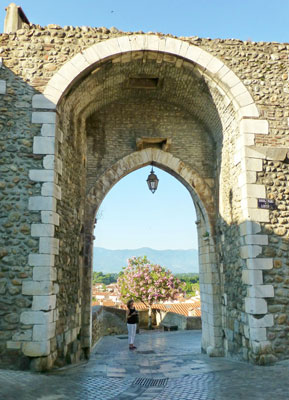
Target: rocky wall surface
point(16, 242)
point(29, 58)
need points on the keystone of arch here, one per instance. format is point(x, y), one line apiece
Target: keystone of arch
point(211, 66)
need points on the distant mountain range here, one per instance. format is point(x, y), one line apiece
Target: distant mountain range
point(178, 261)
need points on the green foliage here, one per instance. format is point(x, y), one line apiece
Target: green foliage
point(148, 283)
point(106, 279)
point(192, 283)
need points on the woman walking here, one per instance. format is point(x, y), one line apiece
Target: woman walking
point(132, 320)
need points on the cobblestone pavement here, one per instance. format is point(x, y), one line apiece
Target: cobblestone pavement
point(165, 366)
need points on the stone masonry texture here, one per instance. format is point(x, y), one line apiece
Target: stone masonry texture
point(99, 119)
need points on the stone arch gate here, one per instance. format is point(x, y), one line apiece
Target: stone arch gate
point(113, 108)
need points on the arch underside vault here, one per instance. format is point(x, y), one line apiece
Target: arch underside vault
point(193, 116)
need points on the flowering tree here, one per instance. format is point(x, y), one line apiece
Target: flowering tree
point(147, 283)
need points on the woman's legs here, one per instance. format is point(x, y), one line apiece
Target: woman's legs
point(131, 333)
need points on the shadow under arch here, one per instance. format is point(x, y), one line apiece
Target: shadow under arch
point(203, 200)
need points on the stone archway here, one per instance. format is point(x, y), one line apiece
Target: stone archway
point(205, 209)
point(238, 120)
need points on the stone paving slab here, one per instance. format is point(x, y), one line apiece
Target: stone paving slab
point(112, 371)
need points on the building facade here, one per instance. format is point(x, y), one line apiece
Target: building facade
point(83, 107)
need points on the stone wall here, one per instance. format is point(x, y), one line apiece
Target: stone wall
point(107, 321)
point(224, 104)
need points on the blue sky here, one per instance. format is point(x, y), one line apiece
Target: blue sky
point(258, 20)
point(130, 216)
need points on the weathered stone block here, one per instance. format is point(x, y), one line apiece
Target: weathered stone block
point(49, 217)
point(40, 101)
point(36, 349)
point(255, 306)
point(43, 332)
point(260, 263)
point(250, 251)
point(36, 317)
point(258, 215)
point(256, 239)
point(252, 277)
point(42, 175)
point(44, 145)
point(251, 164)
point(51, 189)
point(261, 291)
point(264, 322)
point(38, 288)
point(247, 177)
point(253, 190)
point(52, 162)
point(41, 260)
point(2, 87)
point(39, 203)
point(42, 230)
point(249, 228)
point(48, 130)
point(44, 274)
point(49, 245)
point(42, 117)
point(248, 111)
point(254, 126)
point(44, 303)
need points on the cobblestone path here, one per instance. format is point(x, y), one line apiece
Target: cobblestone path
point(165, 366)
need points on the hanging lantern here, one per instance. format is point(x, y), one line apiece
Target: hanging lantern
point(152, 181)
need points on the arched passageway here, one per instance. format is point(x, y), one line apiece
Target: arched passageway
point(122, 104)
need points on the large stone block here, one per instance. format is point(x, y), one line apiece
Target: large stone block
point(36, 317)
point(251, 164)
point(44, 332)
point(44, 274)
point(36, 349)
point(256, 239)
point(42, 230)
point(254, 126)
point(44, 145)
point(52, 162)
point(253, 190)
point(247, 177)
point(250, 251)
point(255, 306)
point(48, 130)
point(49, 245)
point(42, 117)
point(42, 203)
point(51, 189)
point(249, 228)
point(38, 288)
point(260, 263)
point(258, 215)
point(43, 303)
point(41, 260)
point(2, 87)
point(261, 291)
point(264, 322)
point(41, 101)
point(50, 217)
point(252, 277)
point(42, 175)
